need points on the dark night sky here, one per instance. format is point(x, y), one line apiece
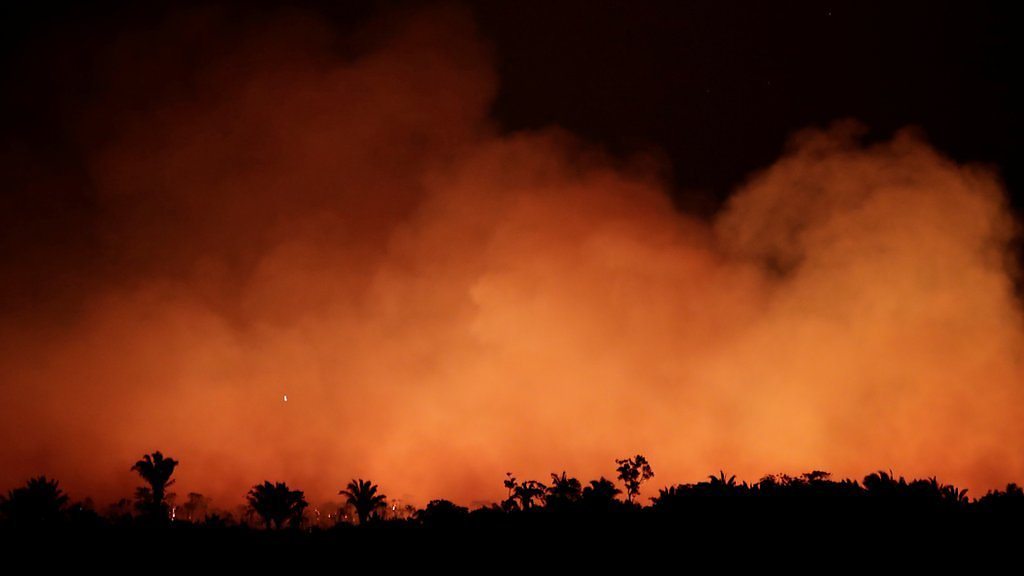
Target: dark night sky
point(715, 86)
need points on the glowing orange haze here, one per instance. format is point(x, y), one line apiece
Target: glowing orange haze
point(443, 303)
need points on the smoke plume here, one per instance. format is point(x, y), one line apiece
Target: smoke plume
point(276, 209)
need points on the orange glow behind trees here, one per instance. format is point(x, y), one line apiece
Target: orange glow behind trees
point(442, 302)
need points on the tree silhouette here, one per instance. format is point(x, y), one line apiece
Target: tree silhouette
point(156, 470)
point(522, 496)
point(563, 490)
point(933, 494)
point(143, 502)
point(721, 484)
point(953, 495)
point(1009, 502)
point(670, 498)
point(40, 503)
point(443, 514)
point(816, 476)
point(195, 507)
point(882, 484)
point(600, 495)
point(276, 504)
point(885, 490)
point(529, 491)
point(120, 512)
point(511, 484)
point(633, 472)
point(799, 505)
point(362, 495)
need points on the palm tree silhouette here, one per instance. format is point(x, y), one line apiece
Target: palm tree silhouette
point(600, 495)
point(39, 503)
point(882, 484)
point(955, 496)
point(276, 504)
point(670, 498)
point(529, 491)
point(156, 470)
point(563, 490)
point(362, 495)
point(721, 483)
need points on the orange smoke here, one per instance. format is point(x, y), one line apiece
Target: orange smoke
point(339, 221)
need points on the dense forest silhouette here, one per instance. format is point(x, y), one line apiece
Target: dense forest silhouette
point(882, 509)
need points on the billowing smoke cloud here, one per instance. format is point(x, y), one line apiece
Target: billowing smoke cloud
point(280, 211)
